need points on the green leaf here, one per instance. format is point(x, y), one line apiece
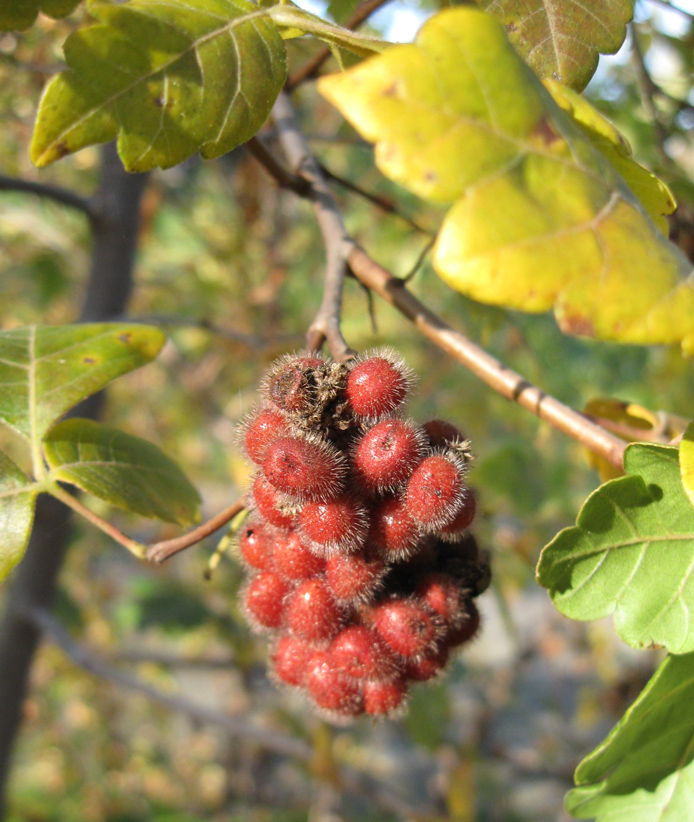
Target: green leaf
point(126, 471)
point(540, 219)
point(563, 38)
point(295, 20)
point(167, 79)
point(17, 502)
point(630, 554)
point(643, 770)
point(17, 15)
point(46, 370)
point(687, 461)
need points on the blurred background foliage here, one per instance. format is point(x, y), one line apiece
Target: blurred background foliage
point(232, 268)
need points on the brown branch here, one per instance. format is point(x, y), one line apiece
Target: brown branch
point(299, 185)
point(161, 551)
point(311, 68)
point(506, 382)
point(59, 195)
point(338, 243)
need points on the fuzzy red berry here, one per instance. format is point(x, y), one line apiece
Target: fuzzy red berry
point(330, 688)
point(256, 546)
point(264, 599)
point(290, 658)
point(377, 385)
point(358, 652)
point(261, 431)
point(466, 630)
point(381, 698)
point(293, 560)
point(407, 626)
point(428, 666)
point(435, 491)
point(354, 577)
point(387, 454)
point(338, 525)
point(392, 528)
point(269, 503)
point(312, 613)
point(442, 594)
point(304, 468)
point(463, 519)
point(441, 433)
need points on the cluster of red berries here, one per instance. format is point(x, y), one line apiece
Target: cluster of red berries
point(361, 562)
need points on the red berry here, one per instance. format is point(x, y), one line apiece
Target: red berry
point(377, 385)
point(262, 430)
point(463, 519)
point(304, 469)
point(443, 595)
point(441, 433)
point(269, 503)
point(358, 653)
point(387, 454)
point(312, 613)
point(335, 526)
point(466, 630)
point(407, 626)
point(330, 688)
point(384, 697)
point(392, 529)
point(353, 577)
point(428, 666)
point(293, 560)
point(290, 384)
point(256, 546)
point(290, 658)
point(264, 599)
point(435, 491)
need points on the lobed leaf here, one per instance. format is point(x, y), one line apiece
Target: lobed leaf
point(126, 471)
point(630, 554)
point(17, 15)
point(45, 371)
point(540, 219)
point(17, 503)
point(687, 461)
point(167, 79)
point(562, 39)
point(643, 770)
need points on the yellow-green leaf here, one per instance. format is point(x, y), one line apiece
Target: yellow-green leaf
point(121, 469)
point(167, 79)
point(687, 461)
point(654, 195)
point(540, 219)
point(17, 15)
point(563, 38)
point(17, 503)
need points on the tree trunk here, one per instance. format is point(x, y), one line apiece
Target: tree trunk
point(115, 231)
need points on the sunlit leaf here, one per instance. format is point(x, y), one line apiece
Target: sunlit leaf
point(643, 770)
point(563, 38)
point(167, 79)
point(540, 219)
point(46, 370)
point(630, 554)
point(126, 471)
point(17, 15)
point(652, 192)
point(687, 461)
point(17, 502)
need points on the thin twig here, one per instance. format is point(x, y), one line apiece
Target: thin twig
point(312, 66)
point(60, 195)
point(338, 243)
point(506, 382)
point(382, 202)
point(299, 185)
point(161, 551)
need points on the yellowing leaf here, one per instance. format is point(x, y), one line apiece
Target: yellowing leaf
point(654, 195)
point(167, 79)
point(629, 421)
point(540, 219)
point(562, 38)
point(687, 461)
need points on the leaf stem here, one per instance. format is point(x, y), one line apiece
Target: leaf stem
point(161, 551)
point(135, 548)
